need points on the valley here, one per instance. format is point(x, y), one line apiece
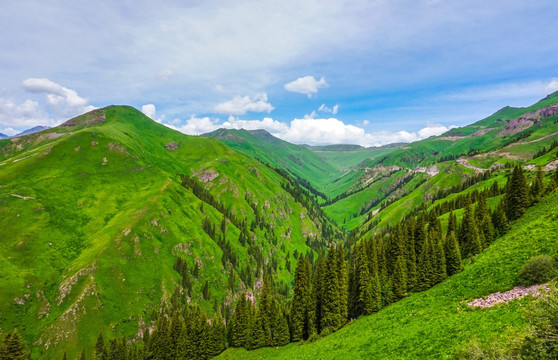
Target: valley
point(112, 222)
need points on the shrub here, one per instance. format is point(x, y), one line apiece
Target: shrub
point(541, 340)
point(537, 270)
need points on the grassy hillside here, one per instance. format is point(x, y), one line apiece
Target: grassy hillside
point(437, 322)
point(94, 216)
point(345, 157)
point(295, 159)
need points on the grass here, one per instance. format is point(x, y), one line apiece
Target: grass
point(435, 323)
point(93, 247)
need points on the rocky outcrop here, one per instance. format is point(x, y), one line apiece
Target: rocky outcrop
point(507, 296)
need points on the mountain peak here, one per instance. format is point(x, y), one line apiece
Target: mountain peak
point(32, 130)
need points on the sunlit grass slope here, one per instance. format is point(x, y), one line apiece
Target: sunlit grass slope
point(435, 323)
point(94, 216)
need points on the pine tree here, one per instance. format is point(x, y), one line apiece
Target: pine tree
point(343, 284)
point(398, 280)
point(176, 328)
point(452, 224)
point(282, 336)
point(500, 220)
point(420, 233)
point(257, 333)
point(517, 196)
point(241, 322)
point(100, 345)
point(395, 248)
point(468, 234)
point(159, 342)
point(218, 338)
point(439, 259)
point(453, 255)
point(362, 285)
point(484, 221)
point(537, 186)
point(367, 287)
point(411, 254)
point(424, 268)
point(434, 223)
point(318, 286)
point(331, 303)
point(381, 267)
point(301, 300)
point(13, 347)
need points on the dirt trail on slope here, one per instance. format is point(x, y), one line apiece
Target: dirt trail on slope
point(465, 163)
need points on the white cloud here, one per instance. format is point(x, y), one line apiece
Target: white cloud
point(552, 86)
point(196, 125)
point(9, 131)
point(267, 123)
point(433, 130)
point(333, 110)
point(23, 116)
point(309, 130)
point(305, 85)
point(150, 111)
point(64, 102)
point(241, 105)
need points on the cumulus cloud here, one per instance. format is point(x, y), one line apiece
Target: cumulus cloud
point(552, 86)
point(22, 116)
point(333, 110)
point(62, 101)
point(240, 105)
point(9, 131)
point(309, 130)
point(307, 85)
point(151, 111)
point(433, 130)
point(196, 125)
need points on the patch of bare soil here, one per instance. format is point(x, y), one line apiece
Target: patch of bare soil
point(91, 118)
point(527, 120)
point(481, 132)
point(465, 163)
point(205, 175)
point(171, 146)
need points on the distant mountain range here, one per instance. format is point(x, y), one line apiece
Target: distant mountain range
point(32, 130)
point(25, 132)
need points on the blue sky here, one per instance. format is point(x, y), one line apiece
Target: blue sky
point(366, 72)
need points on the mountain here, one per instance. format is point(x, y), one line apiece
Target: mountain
point(32, 130)
point(96, 211)
point(437, 323)
point(115, 223)
point(3, 136)
point(442, 163)
point(295, 159)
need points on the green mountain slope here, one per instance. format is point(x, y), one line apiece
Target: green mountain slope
point(295, 159)
point(94, 215)
point(437, 322)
